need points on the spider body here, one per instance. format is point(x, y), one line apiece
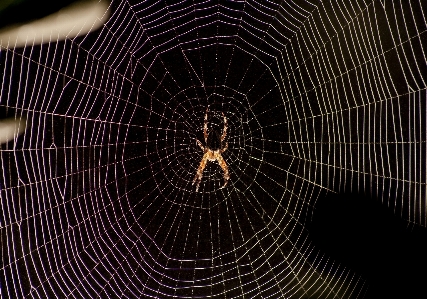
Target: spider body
point(214, 141)
point(215, 145)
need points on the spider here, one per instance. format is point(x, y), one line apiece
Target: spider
point(212, 151)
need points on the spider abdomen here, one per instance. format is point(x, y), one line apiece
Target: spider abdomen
point(214, 141)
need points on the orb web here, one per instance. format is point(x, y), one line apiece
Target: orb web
point(97, 195)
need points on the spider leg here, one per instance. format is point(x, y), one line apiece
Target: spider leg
point(225, 147)
point(199, 173)
point(224, 131)
point(224, 167)
point(205, 126)
point(200, 144)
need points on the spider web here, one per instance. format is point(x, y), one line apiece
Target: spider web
point(97, 197)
